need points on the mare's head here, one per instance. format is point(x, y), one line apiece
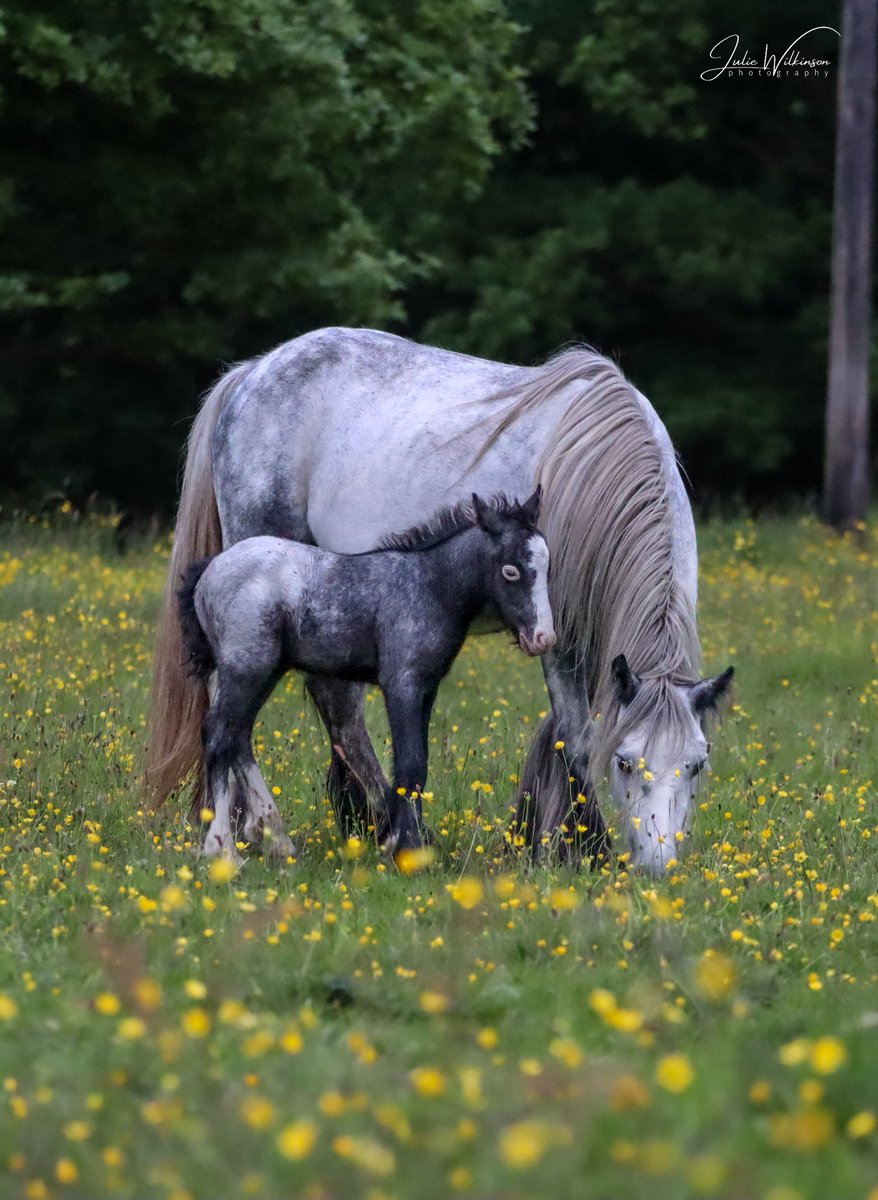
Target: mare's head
point(518, 569)
point(658, 750)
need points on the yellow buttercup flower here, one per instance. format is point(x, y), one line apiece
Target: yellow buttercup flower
point(427, 1081)
point(827, 1055)
point(523, 1144)
point(296, 1140)
point(674, 1073)
point(467, 892)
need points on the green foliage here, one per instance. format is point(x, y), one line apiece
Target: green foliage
point(681, 226)
point(183, 181)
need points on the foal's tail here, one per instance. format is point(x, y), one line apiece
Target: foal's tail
point(196, 647)
point(179, 701)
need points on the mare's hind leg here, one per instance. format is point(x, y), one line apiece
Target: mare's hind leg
point(355, 782)
point(263, 823)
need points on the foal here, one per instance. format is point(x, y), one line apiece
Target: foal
point(396, 617)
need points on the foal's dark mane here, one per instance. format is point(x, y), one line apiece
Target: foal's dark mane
point(445, 523)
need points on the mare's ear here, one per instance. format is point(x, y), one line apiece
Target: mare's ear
point(530, 510)
point(624, 680)
point(487, 518)
point(707, 695)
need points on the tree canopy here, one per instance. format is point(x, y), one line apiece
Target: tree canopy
point(187, 182)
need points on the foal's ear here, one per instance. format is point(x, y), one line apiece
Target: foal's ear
point(530, 510)
point(624, 680)
point(487, 518)
point(708, 694)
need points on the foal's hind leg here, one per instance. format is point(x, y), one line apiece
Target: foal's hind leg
point(356, 784)
point(227, 732)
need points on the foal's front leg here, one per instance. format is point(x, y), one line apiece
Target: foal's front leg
point(409, 702)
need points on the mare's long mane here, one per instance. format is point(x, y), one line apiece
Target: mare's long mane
point(617, 583)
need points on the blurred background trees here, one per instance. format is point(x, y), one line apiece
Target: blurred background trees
point(187, 182)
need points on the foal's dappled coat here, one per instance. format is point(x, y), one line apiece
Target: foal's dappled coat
point(396, 617)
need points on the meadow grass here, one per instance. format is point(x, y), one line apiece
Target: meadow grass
point(337, 1029)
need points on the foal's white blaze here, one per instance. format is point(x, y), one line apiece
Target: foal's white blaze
point(655, 799)
point(538, 561)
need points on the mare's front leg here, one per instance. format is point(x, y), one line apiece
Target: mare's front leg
point(555, 776)
point(409, 701)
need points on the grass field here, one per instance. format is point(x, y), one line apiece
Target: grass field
point(338, 1030)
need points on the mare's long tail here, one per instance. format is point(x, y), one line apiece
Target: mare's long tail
point(178, 700)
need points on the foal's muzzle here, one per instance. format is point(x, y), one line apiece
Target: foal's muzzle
point(539, 643)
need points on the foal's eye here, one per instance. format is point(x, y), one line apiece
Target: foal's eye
point(626, 765)
point(510, 573)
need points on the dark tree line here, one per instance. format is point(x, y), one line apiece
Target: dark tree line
point(187, 182)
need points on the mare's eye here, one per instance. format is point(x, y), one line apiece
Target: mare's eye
point(626, 765)
point(510, 573)
point(697, 767)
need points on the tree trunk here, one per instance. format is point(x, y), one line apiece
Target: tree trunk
point(846, 467)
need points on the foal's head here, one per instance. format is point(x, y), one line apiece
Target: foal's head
point(518, 574)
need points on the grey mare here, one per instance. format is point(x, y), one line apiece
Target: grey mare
point(396, 616)
point(343, 435)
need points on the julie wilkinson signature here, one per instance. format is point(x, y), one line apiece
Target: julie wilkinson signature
point(789, 62)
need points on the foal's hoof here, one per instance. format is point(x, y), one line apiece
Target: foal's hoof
point(404, 836)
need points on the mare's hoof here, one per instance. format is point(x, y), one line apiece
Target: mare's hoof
point(277, 847)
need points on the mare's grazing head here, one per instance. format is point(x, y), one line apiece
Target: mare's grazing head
point(518, 573)
point(658, 757)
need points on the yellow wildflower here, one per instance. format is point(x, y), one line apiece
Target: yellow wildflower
point(827, 1055)
point(467, 892)
point(131, 1028)
point(66, 1171)
point(674, 1073)
point(196, 1023)
point(861, 1125)
point(296, 1140)
point(257, 1112)
point(427, 1081)
point(523, 1145)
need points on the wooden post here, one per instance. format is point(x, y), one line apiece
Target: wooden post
point(846, 465)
